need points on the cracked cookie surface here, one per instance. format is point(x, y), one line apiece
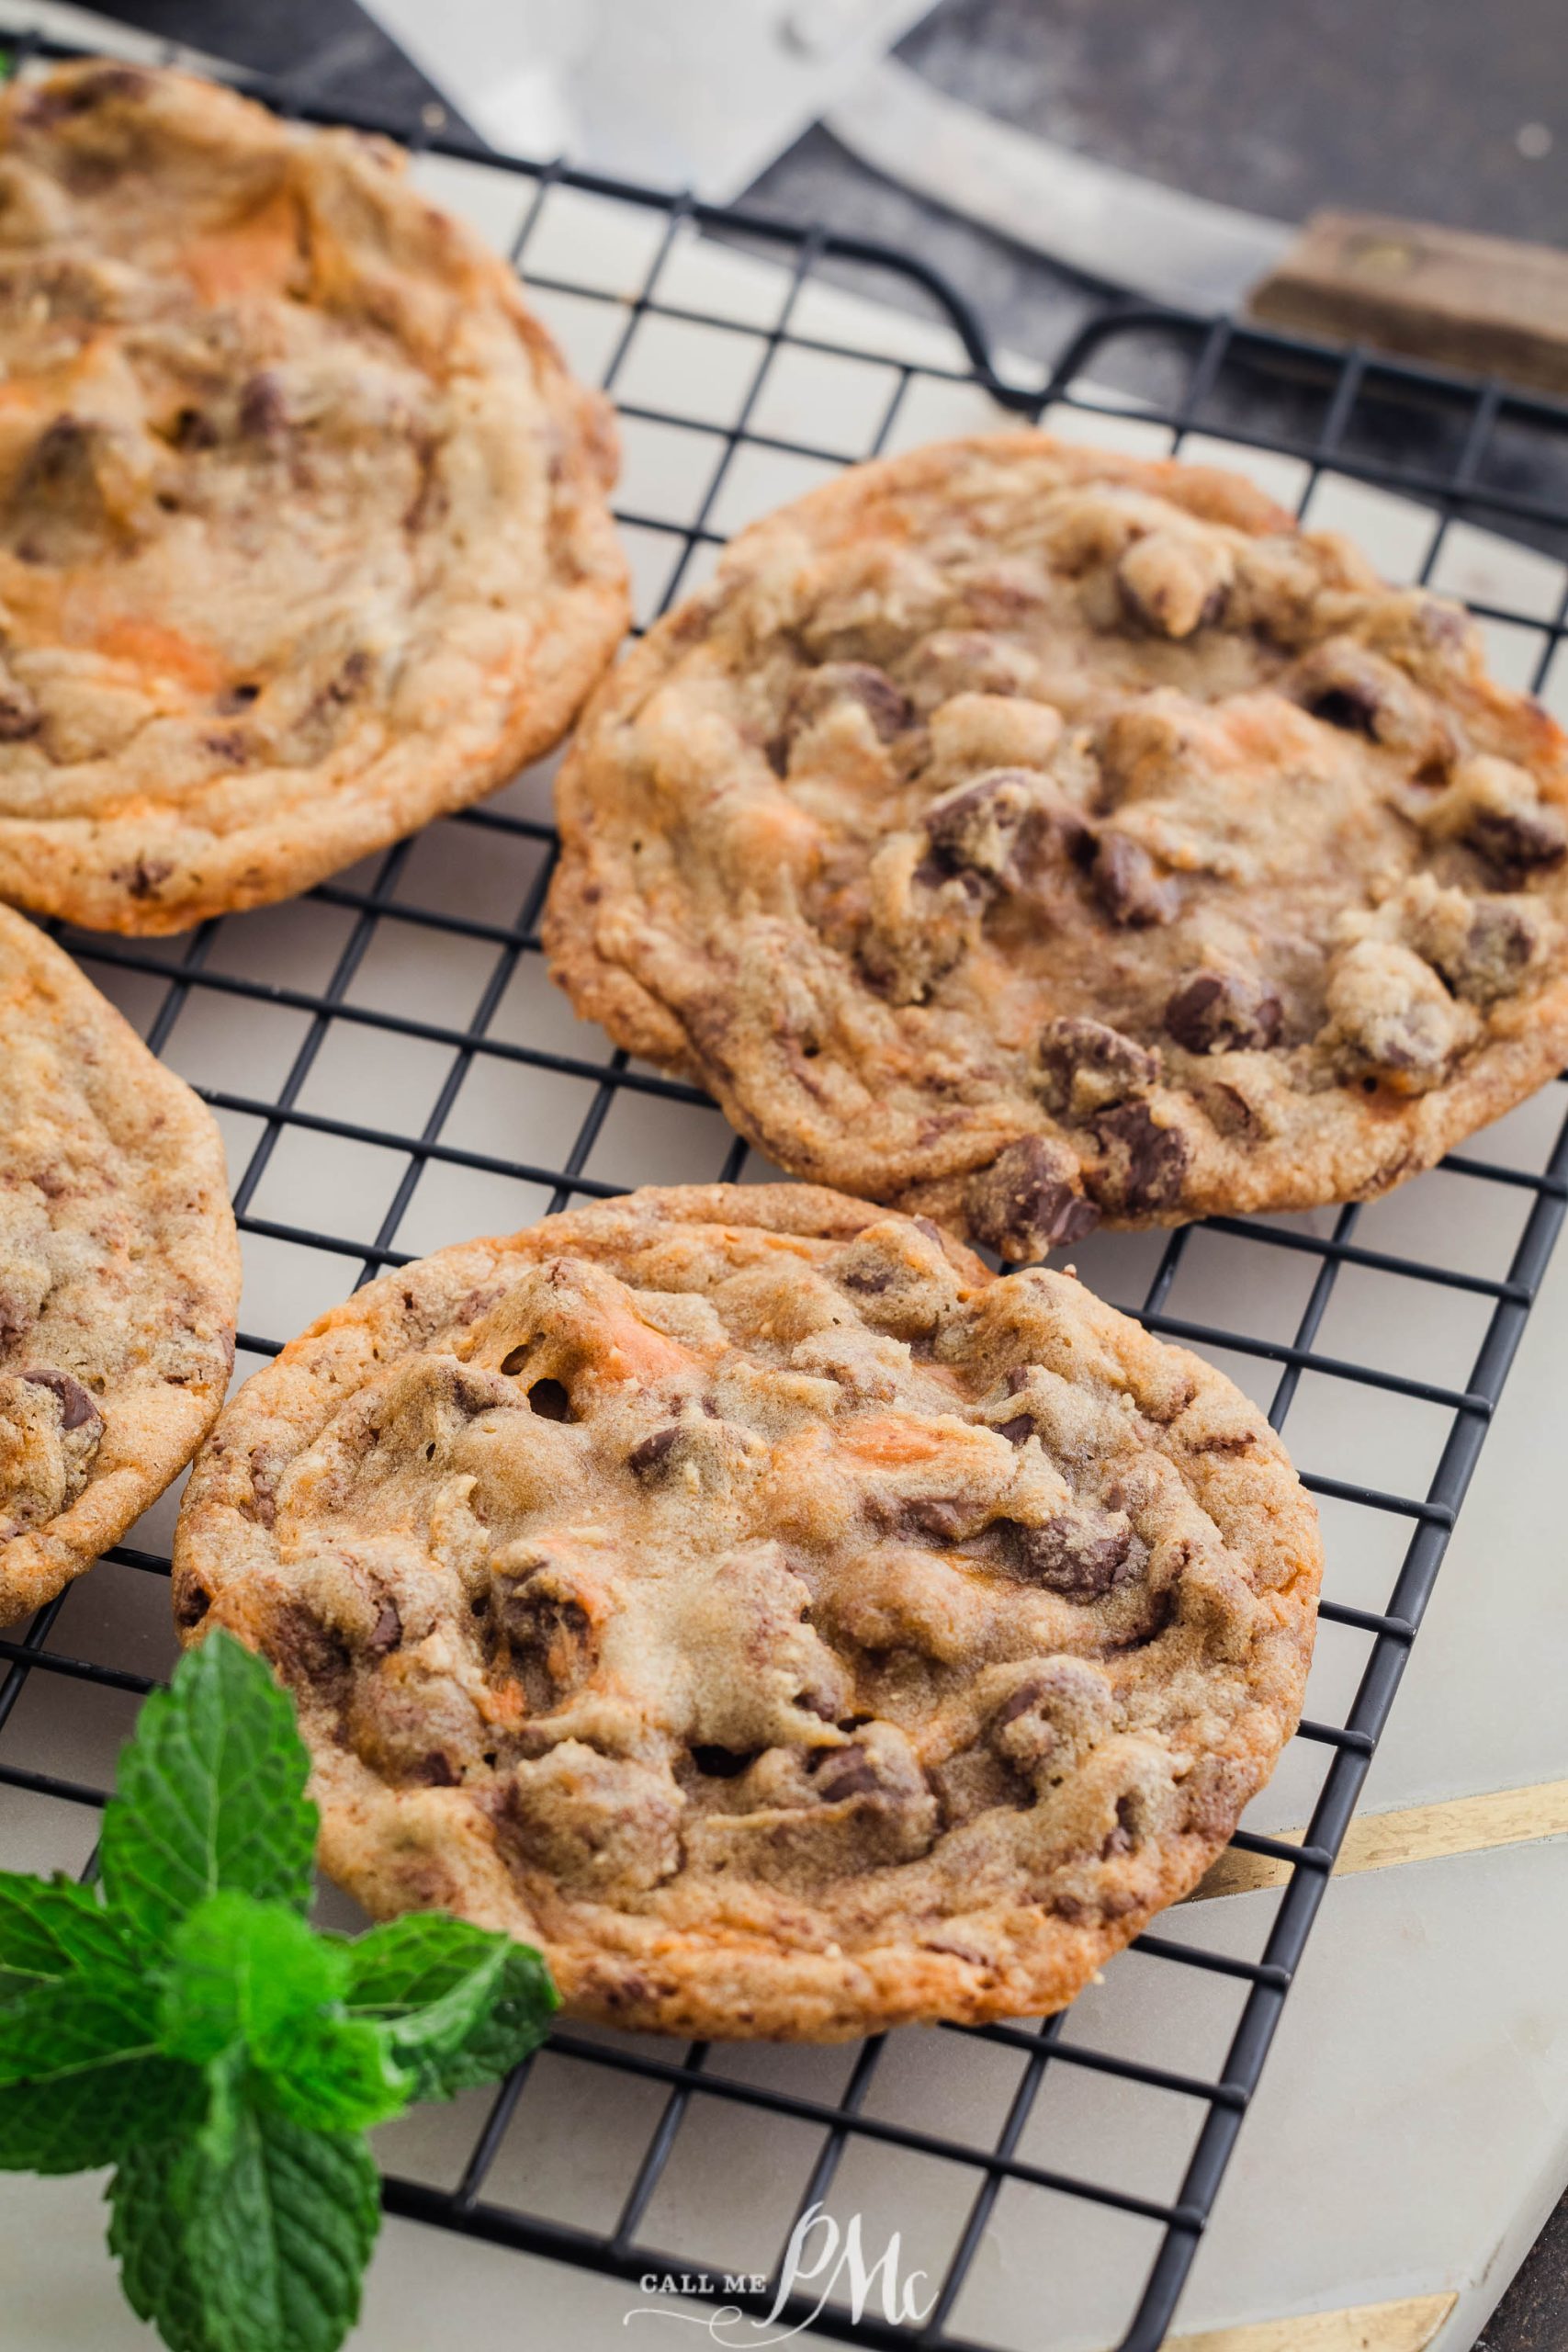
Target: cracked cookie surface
point(303, 537)
point(1028, 835)
point(740, 1592)
point(120, 1272)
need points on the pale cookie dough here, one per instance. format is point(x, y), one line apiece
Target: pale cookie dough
point(120, 1272)
point(303, 537)
point(790, 1627)
point(1029, 835)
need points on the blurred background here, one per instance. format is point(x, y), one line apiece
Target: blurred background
point(1435, 109)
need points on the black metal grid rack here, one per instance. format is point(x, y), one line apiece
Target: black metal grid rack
point(1468, 452)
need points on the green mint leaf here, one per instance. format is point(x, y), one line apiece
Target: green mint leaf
point(53, 2030)
point(49, 1927)
point(252, 1978)
point(517, 2022)
point(210, 1793)
point(81, 2074)
point(75, 2122)
point(147, 2240)
point(428, 1976)
point(263, 2251)
point(335, 2075)
point(239, 1972)
point(462, 2005)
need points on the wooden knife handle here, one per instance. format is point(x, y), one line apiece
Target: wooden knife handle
point(1486, 305)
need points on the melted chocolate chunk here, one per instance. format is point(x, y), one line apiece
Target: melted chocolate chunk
point(885, 705)
point(1497, 949)
point(653, 1452)
point(387, 1632)
point(1518, 840)
point(1078, 1557)
point(1086, 1066)
point(1028, 1200)
point(843, 1772)
point(974, 829)
point(192, 1601)
point(19, 714)
point(76, 1406)
point(551, 1642)
point(1019, 1703)
point(1145, 1161)
point(1129, 885)
point(1214, 1012)
point(262, 410)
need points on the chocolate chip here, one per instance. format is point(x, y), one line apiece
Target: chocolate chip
point(1498, 947)
point(974, 829)
point(843, 1772)
point(1078, 1557)
point(19, 714)
point(653, 1453)
point(1147, 1161)
point(1085, 1066)
point(550, 1640)
point(192, 1601)
point(1213, 1012)
point(1019, 1431)
point(262, 409)
point(868, 1279)
point(548, 1399)
point(76, 1406)
point(387, 1632)
point(1017, 1702)
point(1121, 1838)
point(143, 878)
point(307, 1652)
point(1129, 885)
point(885, 705)
point(1028, 1201)
point(434, 1771)
point(1518, 840)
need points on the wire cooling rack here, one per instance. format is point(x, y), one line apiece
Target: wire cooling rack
point(393, 1072)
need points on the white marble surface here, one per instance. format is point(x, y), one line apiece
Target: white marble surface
point(1410, 2130)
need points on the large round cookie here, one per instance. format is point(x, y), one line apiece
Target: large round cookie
point(790, 1626)
point(120, 1272)
point(1027, 835)
point(302, 530)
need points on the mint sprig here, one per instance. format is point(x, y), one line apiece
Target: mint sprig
point(183, 2022)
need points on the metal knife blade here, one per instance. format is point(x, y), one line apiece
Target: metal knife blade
point(1113, 225)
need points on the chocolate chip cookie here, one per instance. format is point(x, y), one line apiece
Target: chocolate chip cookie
point(1028, 835)
point(741, 1593)
point(303, 537)
point(120, 1272)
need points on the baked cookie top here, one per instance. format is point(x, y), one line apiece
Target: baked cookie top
point(792, 1628)
point(1026, 835)
point(302, 527)
point(120, 1272)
